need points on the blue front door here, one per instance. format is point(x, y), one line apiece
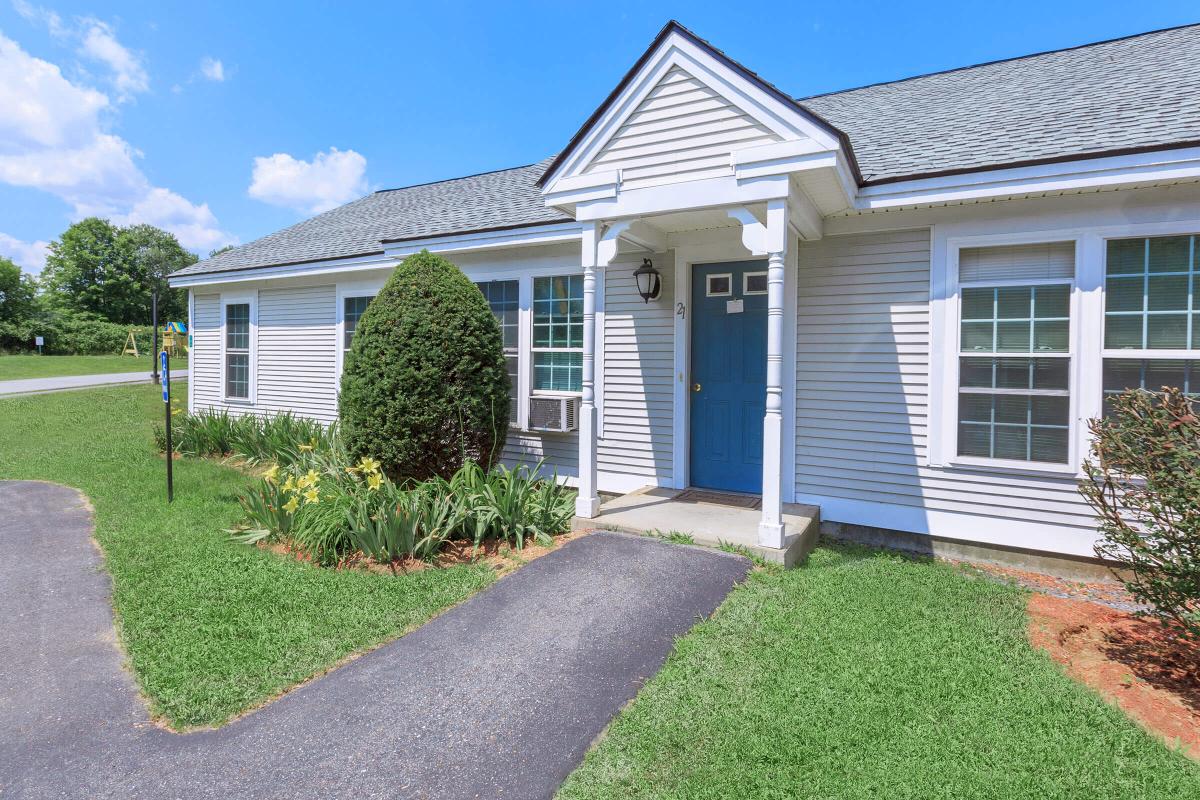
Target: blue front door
point(729, 375)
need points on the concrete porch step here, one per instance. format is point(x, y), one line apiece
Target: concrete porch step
point(655, 510)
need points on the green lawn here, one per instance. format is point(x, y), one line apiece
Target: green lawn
point(865, 675)
point(19, 367)
point(211, 627)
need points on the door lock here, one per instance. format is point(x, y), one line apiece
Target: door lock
point(695, 387)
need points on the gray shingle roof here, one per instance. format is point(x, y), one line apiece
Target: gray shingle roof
point(1126, 94)
point(503, 199)
point(1138, 92)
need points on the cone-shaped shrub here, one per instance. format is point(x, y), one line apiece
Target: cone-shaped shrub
point(424, 387)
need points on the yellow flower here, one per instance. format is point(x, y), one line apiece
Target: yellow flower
point(290, 484)
point(304, 448)
point(291, 505)
point(311, 478)
point(311, 496)
point(368, 464)
point(272, 473)
point(351, 470)
point(374, 481)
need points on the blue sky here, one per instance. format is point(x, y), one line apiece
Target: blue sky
point(225, 121)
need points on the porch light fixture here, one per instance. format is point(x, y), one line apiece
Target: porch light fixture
point(649, 282)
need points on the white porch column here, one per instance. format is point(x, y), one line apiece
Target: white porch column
point(587, 504)
point(770, 528)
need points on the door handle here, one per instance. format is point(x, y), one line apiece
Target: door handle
point(695, 387)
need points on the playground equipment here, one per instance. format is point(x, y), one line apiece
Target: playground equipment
point(175, 338)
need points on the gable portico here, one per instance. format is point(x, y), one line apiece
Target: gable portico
point(694, 155)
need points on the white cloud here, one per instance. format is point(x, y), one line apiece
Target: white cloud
point(96, 41)
point(212, 69)
point(30, 256)
point(100, 44)
point(329, 180)
point(55, 139)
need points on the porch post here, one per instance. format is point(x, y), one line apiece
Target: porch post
point(587, 504)
point(770, 528)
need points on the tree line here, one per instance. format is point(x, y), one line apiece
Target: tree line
point(98, 278)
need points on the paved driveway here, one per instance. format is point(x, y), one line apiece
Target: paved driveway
point(497, 698)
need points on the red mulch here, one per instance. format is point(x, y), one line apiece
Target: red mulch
point(1150, 672)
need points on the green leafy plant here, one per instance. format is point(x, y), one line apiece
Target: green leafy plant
point(425, 388)
point(1143, 480)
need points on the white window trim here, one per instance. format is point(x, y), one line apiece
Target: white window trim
point(524, 277)
point(1087, 329)
point(708, 279)
point(347, 289)
point(746, 283)
point(235, 298)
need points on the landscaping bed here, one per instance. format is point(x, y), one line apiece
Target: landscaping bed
point(1153, 675)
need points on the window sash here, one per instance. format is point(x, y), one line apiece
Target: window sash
point(237, 351)
point(1159, 272)
point(1024, 329)
point(353, 307)
point(504, 299)
point(557, 320)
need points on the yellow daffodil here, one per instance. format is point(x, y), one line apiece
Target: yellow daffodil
point(368, 464)
point(312, 478)
point(290, 484)
point(311, 496)
point(291, 505)
point(272, 473)
point(374, 481)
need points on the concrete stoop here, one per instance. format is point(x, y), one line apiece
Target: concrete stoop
point(655, 511)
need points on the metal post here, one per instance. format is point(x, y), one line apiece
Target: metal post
point(166, 392)
point(154, 325)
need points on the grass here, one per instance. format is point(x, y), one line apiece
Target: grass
point(20, 367)
point(867, 675)
point(211, 628)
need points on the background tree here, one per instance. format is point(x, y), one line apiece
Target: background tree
point(18, 293)
point(424, 388)
point(98, 269)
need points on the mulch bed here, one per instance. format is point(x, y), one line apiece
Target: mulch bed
point(1150, 672)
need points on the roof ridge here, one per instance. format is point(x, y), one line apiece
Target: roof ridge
point(459, 178)
point(998, 61)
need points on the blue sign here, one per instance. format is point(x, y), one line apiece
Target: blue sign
point(166, 376)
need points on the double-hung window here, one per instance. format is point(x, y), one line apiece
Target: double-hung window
point(1151, 315)
point(237, 351)
point(558, 333)
point(504, 298)
point(1014, 399)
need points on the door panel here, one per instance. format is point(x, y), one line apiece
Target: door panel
point(729, 365)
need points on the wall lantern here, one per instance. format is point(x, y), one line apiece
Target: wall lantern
point(649, 282)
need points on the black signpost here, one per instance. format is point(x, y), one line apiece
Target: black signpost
point(165, 362)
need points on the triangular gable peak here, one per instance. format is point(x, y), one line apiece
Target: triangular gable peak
point(680, 115)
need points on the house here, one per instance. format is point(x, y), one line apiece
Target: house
point(899, 303)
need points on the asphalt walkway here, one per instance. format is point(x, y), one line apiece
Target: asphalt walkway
point(65, 382)
point(499, 697)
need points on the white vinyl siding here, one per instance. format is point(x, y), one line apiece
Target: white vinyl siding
point(862, 399)
point(297, 339)
point(638, 370)
point(294, 363)
point(682, 130)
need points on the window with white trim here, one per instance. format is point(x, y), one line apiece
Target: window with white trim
point(504, 298)
point(352, 311)
point(237, 351)
point(558, 334)
point(1151, 315)
point(1014, 399)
